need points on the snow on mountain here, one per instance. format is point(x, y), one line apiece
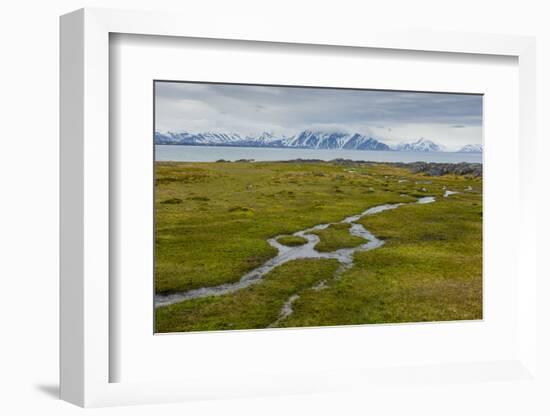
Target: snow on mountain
point(334, 140)
point(471, 148)
point(199, 138)
point(267, 139)
point(305, 139)
point(421, 145)
point(360, 142)
point(317, 140)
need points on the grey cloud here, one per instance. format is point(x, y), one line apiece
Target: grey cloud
point(251, 109)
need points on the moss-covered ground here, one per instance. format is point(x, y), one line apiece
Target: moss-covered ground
point(213, 221)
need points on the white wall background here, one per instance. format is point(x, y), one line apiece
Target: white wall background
point(29, 56)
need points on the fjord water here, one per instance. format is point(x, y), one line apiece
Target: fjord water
point(177, 153)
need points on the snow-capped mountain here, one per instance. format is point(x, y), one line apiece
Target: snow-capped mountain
point(471, 148)
point(317, 140)
point(306, 139)
point(197, 139)
point(267, 139)
point(421, 145)
point(335, 140)
point(360, 142)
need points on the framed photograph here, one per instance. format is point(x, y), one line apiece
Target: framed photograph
point(272, 204)
point(282, 213)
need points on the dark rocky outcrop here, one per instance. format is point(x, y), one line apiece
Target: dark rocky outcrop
point(438, 169)
point(428, 168)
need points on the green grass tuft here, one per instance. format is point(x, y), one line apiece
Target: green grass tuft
point(291, 240)
point(337, 236)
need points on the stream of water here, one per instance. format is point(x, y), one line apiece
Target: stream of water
point(287, 253)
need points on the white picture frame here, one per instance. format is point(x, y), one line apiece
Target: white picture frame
point(85, 207)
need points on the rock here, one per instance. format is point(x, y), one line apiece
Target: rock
point(438, 169)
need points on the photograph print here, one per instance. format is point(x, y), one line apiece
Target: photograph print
point(287, 206)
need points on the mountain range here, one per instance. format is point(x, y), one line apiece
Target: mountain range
point(306, 139)
point(471, 148)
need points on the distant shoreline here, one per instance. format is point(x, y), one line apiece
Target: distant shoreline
point(195, 153)
point(333, 161)
point(306, 148)
point(429, 168)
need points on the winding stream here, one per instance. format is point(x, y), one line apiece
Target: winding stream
point(286, 254)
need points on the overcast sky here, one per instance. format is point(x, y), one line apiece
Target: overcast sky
point(449, 119)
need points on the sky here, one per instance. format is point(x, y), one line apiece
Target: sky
point(452, 120)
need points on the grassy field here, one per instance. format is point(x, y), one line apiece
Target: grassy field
point(213, 220)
